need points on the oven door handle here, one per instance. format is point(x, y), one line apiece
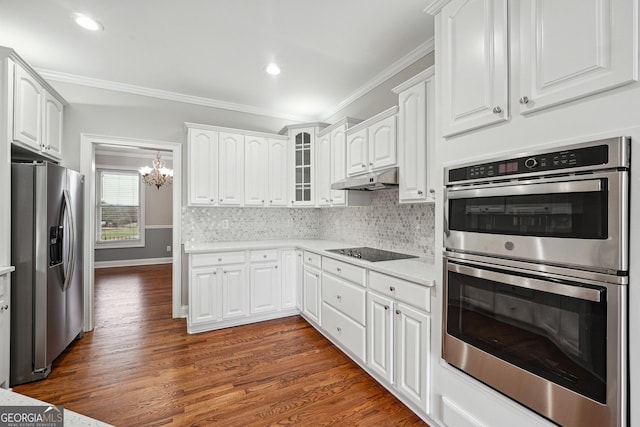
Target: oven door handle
point(585, 186)
point(570, 291)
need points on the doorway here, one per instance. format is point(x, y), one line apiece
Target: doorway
point(88, 146)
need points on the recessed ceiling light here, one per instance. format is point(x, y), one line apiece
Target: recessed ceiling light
point(273, 69)
point(87, 23)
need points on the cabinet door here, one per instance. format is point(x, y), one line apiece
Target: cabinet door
point(255, 164)
point(323, 170)
point(203, 159)
point(265, 287)
point(278, 172)
point(203, 295)
point(234, 292)
point(413, 353)
point(27, 109)
point(380, 332)
point(357, 156)
point(311, 301)
point(599, 54)
point(474, 64)
point(289, 277)
point(231, 169)
point(303, 192)
point(382, 144)
point(5, 328)
point(299, 281)
point(338, 164)
point(412, 148)
point(52, 130)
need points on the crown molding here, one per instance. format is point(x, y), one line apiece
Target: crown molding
point(420, 77)
point(435, 6)
point(419, 52)
point(166, 95)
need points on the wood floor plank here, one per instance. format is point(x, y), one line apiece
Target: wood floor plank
point(139, 367)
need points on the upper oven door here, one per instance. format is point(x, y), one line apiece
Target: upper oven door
point(578, 220)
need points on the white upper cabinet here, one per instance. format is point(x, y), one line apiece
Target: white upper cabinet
point(338, 163)
point(27, 115)
point(231, 169)
point(474, 80)
point(278, 172)
point(52, 129)
point(255, 183)
point(303, 142)
point(323, 170)
point(202, 170)
point(573, 48)
point(372, 144)
point(416, 138)
point(382, 144)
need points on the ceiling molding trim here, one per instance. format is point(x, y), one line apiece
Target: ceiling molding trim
point(166, 95)
point(423, 50)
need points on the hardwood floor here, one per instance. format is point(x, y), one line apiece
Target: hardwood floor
point(139, 367)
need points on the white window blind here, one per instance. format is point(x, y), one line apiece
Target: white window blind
point(119, 210)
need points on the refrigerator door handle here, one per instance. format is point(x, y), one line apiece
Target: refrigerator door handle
point(72, 238)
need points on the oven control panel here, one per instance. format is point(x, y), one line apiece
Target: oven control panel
point(543, 162)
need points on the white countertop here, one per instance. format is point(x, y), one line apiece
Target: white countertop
point(5, 270)
point(71, 419)
point(418, 270)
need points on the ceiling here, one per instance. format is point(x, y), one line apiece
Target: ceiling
point(213, 52)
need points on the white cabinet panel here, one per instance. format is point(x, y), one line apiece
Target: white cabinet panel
point(348, 333)
point(338, 164)
point(265, 287)
point(357, 152)
point(299, 281)
point(598, 55)
point(382, 144)
point(380, 335)
point(5, 329)
point(413, 350)
point(203, 178)
point(278, 171)
point(311, 293)
point(27, 114)
point(231, 169)
point(475, 64)
point(344, 297)
point(290, 277)
point(255, 184)
point(323, 170)
point(234, 292)
point(203, 295)
point(52, 128)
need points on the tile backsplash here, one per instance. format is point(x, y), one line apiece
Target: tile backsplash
point(385, 224)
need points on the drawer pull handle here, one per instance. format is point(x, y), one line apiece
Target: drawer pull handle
point(339, 329)
point(276, 267)
point(398, 312)
point(219, 259)
point(338, 297)
point(392, 288)
point(339, 269)
point(264, 256)
point(386, 307)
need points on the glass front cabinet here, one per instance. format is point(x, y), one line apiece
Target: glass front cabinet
point(303, 145)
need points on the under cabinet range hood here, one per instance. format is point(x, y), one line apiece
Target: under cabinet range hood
point(379, 180)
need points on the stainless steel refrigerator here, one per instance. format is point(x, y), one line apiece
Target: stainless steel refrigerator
point(46, 250)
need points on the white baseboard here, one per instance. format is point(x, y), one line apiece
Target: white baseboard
point(132, 262)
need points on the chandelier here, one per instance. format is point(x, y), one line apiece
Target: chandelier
point(157, 176)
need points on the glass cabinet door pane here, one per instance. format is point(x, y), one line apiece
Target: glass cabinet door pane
point(298, 158)
point(307, 138)
point(307, 175)
point(298, 175)
point(299, 139)
point(307, 157)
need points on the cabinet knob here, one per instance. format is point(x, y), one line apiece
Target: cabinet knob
point(270, 201)
point(370, 163)
point(262, 201)
point(219, 259)
point(339, 329)
point(398, 312)
point(331, 200)
point(214, 273)
point(264, 256)
point(6, 307)
point(386, 307)
point(276, 267)
point(392, 288)
point(220, 199)
point(432, 191)
point(338, 297)
point(420, 192)
point(497, 110)
point(211, 200)
point(309, 259)
point(364, 166)
point(339, 269)
point(524, 100)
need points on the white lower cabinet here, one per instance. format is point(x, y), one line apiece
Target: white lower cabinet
point(204, 296)
point(311, 294)
point(291, 274)
point(349, 334)
point(265, 287)
point(399, 337)
point(234, 292)
point(5, 328)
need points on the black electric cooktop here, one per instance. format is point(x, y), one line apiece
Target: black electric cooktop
point(370, 254)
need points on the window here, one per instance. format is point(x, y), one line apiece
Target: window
point(120, 213)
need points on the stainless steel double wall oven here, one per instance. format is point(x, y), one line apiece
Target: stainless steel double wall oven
point(536, 270)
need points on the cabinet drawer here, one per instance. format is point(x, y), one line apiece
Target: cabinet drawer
point(312, 259)
point(201, 260)
point(346, 271)
point(401, 290)
point(264, 255)
point(346, 298)
point(347, 332)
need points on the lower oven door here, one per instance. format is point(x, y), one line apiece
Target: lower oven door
point(554, 344)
